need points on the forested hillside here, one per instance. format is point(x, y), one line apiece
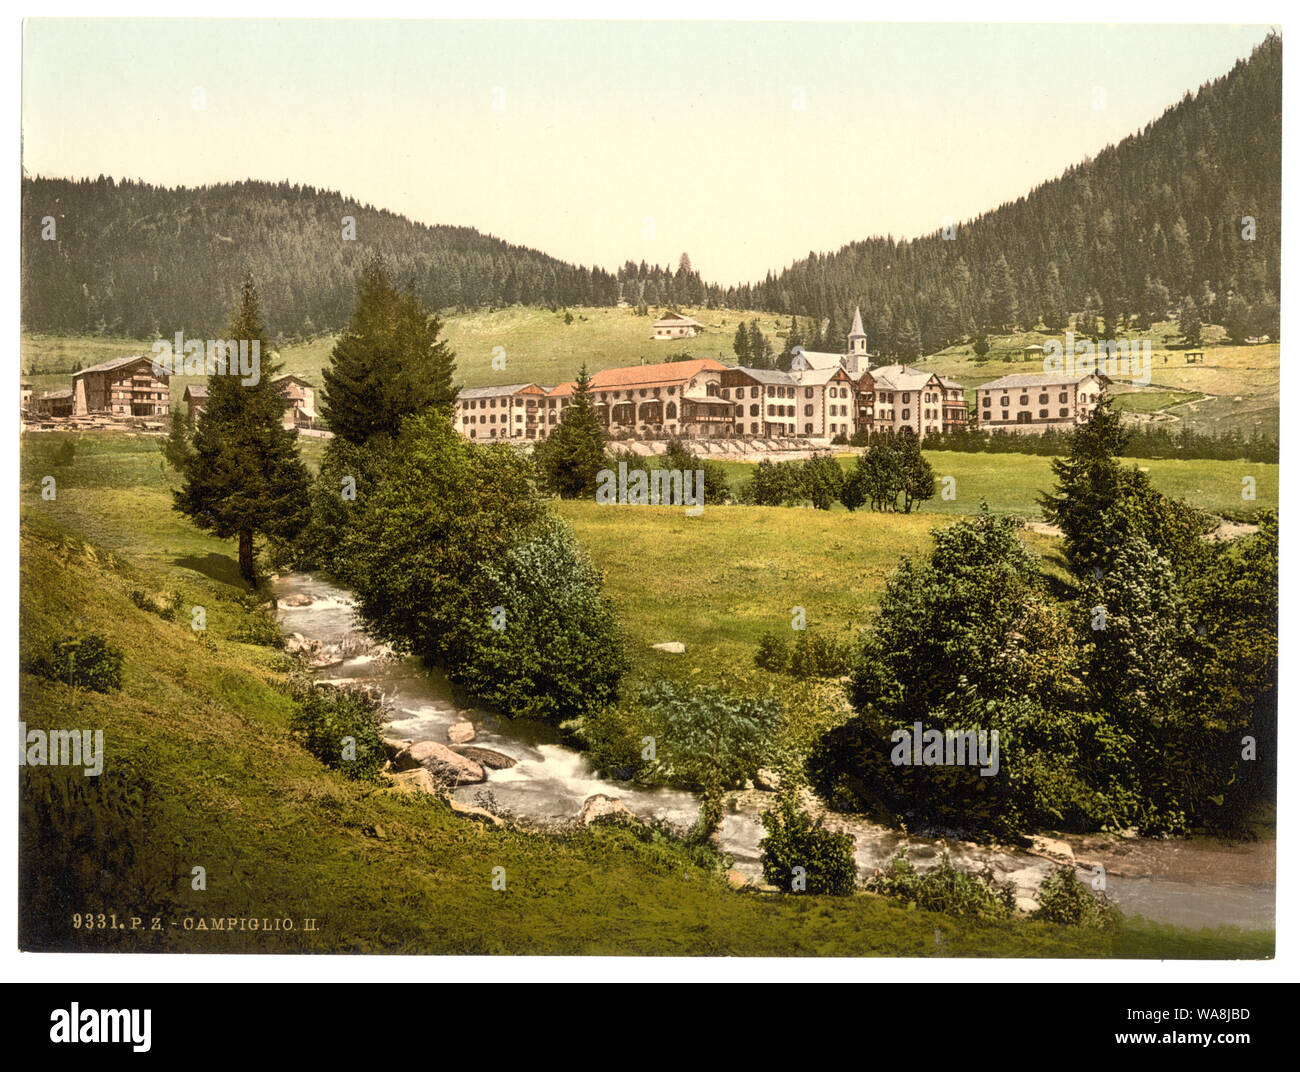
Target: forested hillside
point(130, 259)
point(1139, 231)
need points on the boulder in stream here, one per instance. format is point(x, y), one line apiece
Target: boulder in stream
point(298, 599)
point(441, 762)
point(460, 732)
point(485, 757)
point(601, 806)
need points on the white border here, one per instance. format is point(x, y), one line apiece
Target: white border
point(282, 968)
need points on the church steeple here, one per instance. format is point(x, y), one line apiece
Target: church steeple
point(857, 339)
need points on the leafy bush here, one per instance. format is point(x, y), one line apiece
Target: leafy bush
point(773, 652)
point(88, 662)
point(1062, 898)
point(340, 727)
point(816, 655)
point(708, 740)
point(557, 654)
point(259, 628)
point(944, 889)
point(794, 839)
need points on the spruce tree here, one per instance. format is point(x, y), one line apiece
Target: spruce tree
point(570, 459)
point(388, 365)
point(243, 477)
point(741, 344)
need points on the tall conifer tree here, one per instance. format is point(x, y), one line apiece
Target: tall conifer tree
point(243, 477)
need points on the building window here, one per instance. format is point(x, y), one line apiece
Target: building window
point(907, 413)
point(988, 401)
point(1042, 413)
point(1064, 397)
point(1064, 412)
point(1042, 399)
point(1006, 415)
point(753, 411)
point(907, 397)
point(1024, 400)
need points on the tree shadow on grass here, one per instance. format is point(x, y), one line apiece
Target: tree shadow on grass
point(220, 568)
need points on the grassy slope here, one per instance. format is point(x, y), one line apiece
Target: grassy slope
point(279, 834)
point(1242, 384)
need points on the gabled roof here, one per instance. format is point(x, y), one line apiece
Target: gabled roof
point(1038, 379)
point(819, 359)
point(118, 362)
point(496, 392)
point(290, 378)
point(678, 318)
point(65, 393)
point(196, 392)
point(762, 375)
point(901, 378)
point(816, 377)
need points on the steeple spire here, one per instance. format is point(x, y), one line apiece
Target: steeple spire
point(857, 325)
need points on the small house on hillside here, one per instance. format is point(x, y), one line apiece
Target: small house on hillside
point(677, 327)
point(53, 404)
point(196, 400)
point(299, 402)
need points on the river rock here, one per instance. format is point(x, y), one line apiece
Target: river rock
point(324, 658)
point(673, 647)
point(461, 733)
point(767, 780)
point(297, 642)
point(474, 810)
point(485, 757)
point(441, 762)
point(392, 748)
point(414, 781)
point(598, 806)
point(1052, 847)
point(298, 599)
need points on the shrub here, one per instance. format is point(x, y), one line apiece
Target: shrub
point(794, 839)
point(545, 642)
point(340, 727)
point(817, 655)
point(89, 662)
point(944, 889)
point(773, 652)
point(259, 628)
point(1062, 898)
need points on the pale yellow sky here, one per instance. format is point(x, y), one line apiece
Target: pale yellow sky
point(746, 144)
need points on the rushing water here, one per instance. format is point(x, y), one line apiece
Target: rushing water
point(1190, 882)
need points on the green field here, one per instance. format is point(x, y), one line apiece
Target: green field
point(1011, 483)
point(279, 834)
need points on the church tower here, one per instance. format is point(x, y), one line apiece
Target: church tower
point(857, 355)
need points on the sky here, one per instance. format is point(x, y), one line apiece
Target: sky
point(745, 145)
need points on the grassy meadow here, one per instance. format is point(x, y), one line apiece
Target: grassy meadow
point(280, 834)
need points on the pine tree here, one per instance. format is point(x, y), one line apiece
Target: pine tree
point(1189, 323)
point(570, 459)
point(244, 477)
point(388, 365)
point(741, 344)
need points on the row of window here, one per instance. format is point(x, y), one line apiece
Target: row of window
point(1043, 399)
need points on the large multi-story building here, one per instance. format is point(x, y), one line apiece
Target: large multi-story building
point(822, 397)
point(122, 387)
point(1032, 403)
